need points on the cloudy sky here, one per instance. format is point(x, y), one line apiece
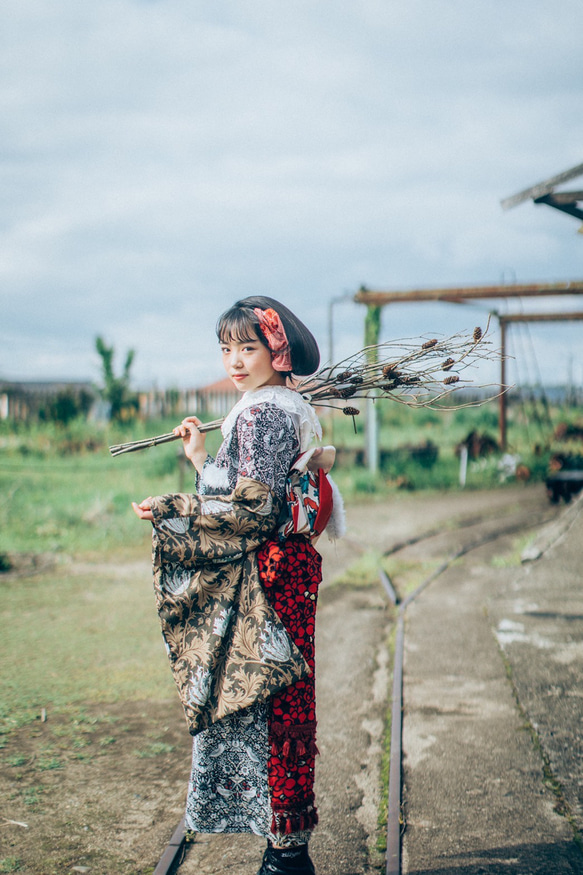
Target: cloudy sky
point(161, 158)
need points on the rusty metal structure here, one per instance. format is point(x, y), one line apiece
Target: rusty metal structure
point(465, 294)
point(512, 319)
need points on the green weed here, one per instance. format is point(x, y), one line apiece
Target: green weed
point(32, 795)
point(383, 812)
point(512, 559)
point(154, 749)
point(10, 864)
point(362, 572)
point(17, 760)
point(48, 764)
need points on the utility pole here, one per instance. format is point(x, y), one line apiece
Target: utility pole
point(372, 330)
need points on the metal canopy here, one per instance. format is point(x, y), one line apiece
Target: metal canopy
point(544, 193)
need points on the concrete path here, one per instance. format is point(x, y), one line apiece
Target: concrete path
point(493, 713)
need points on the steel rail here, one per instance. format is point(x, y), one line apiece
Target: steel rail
point(395, 819)
point(173, 853)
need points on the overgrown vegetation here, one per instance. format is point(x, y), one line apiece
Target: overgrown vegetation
point(64, 494)
point(419, 448)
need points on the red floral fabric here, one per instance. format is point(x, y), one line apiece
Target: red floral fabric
point(291, 574)
point(272, 328)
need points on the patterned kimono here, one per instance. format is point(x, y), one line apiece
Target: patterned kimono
point(237, 603)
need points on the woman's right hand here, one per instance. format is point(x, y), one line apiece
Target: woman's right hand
point(192, 440)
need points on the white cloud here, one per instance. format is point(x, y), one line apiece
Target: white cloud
point(161, 159)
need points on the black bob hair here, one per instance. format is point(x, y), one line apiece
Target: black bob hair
point(240, 323)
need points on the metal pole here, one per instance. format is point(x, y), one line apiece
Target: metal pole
point(503, 403)
point(372, 330)
point(372, 436)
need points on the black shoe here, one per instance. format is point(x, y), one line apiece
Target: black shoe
point(287, 861)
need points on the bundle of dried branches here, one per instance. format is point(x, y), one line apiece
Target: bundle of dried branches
point(417, 372)
point(133, 446)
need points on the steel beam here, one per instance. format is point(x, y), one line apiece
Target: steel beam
point(507, 318)
point(541, 188)
point(468, 293)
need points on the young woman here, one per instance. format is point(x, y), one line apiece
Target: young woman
point(236, 587)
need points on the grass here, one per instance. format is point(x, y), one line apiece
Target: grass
point(74, 639)
point(63, 495)
point(62, 492)
point(17, 760)
point(513, 559)
point(405, 575)
point(154, 749)
point(402, 429)
point(78, 635)
point(385, 770)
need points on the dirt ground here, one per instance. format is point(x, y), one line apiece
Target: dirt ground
point(101, 791)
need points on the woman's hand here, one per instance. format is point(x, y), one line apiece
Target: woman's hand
point(143, 510)
point(192, 441)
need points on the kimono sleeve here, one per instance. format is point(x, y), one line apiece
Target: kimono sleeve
point(194, 530)
point(268, 445)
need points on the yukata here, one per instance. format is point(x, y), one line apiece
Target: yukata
point(237, 600)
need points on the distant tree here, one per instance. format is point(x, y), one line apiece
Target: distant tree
point(116, 390)
point(66, 405)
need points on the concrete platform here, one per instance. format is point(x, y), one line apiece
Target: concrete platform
point(493, 712)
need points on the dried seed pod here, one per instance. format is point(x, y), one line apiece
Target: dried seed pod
point(336, 393)
point(390, 372)
point(356, 379)
point(411, 381)
point(450, 380)
point(350, 411)
point(429, 343)
point(347, 391)
point(447, 365)
point(477, 334)
point(345, 375)
point(387, 387)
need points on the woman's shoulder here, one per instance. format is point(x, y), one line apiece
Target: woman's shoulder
point(265, 416)
point(276, 405)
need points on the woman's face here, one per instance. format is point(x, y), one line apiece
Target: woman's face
point(248, 364)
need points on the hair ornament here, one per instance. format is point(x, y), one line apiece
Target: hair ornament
point(272, 329)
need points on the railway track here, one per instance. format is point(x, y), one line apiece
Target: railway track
point(464, 536)
point(522, 522)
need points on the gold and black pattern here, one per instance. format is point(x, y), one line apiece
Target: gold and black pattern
point(226, 644)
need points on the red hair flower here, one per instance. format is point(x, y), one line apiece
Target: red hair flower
point(272, 329)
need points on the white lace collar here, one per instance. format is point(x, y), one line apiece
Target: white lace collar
point(302, 413)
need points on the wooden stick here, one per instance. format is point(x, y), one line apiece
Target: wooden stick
point(134, 446)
